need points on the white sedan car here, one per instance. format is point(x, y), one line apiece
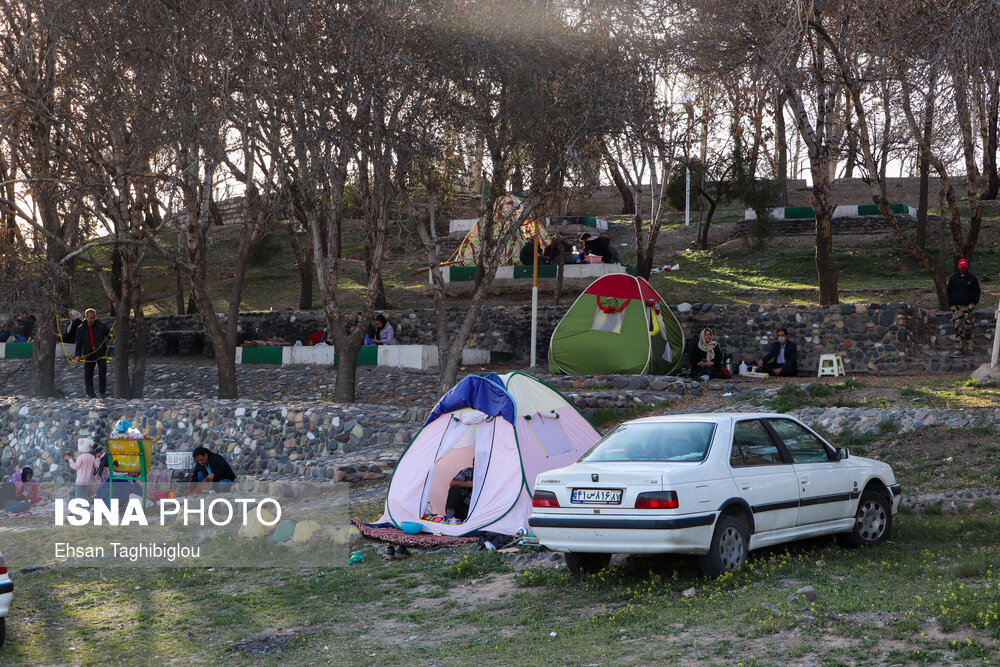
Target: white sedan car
point(6, 592)
point(713, 485)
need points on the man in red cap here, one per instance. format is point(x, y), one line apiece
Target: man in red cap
point(963, 295)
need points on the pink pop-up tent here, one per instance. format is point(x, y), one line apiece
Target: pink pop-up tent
point(513, 427)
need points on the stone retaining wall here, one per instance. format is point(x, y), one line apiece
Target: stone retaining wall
point(884, 338)
point(328, 441)
point(255, 437)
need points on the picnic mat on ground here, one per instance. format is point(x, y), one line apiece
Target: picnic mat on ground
point(391, 534)
point(47, 511)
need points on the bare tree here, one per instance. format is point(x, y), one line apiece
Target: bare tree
point(212, 53)
point(536, 89)
point(772, 42)
point(36, 91)
point(885, 44)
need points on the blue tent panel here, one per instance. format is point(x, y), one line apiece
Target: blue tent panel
point(478, 393)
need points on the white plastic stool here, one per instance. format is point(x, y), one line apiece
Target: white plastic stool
point(830, 364)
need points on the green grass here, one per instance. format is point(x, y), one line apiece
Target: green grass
point(815, 394)
point(927, 596)
point(606, 418)
point(728, 275)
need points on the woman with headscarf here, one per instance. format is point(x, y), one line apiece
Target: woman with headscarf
point(25, 487)
point(385, 334)
point(706, 356)
point(70, 336)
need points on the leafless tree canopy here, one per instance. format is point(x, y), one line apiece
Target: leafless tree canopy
point(115, 117)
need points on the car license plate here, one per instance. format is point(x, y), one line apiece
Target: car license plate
point(600, 496)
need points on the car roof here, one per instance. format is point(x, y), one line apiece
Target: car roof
point(715, 417)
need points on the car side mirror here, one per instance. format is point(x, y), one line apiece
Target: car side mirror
point(842, 453)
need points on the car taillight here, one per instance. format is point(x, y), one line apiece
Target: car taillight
point(544, 499)
point(3, 570)
point(657, 500)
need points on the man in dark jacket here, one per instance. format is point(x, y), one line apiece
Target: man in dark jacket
point(782, 359)
point(92, 348)
point(963, 295)
point(211, 468)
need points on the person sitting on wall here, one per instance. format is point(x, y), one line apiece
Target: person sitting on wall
point(384, 333)
point(211, 468)
point(8, 335)
point(599, 245)
point(705, 356)
point(25, 326)
point(782, 359)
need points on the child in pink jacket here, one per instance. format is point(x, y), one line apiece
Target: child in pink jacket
point(85, 466)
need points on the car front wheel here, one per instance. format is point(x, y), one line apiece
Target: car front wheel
point(729, 547)
point(583, 563)
point(873, 521)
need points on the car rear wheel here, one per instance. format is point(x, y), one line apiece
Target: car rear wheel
point(729, 547)
point(873, 521)
point(3, 630)
point(583, 563)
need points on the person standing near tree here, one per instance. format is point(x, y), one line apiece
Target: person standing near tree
point(963, 295)
point(92, 348)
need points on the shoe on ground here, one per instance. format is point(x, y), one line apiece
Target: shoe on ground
point(390, 552)
point(401, 552)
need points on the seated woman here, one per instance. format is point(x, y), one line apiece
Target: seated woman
point(384, 333)
point(706, 357)
point(26, 489)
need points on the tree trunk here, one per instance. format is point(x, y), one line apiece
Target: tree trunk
point(116, 280)
point(826, 270)
point(925, 165)
point(561, 265)
point(347, 368)
point(43, 358)
point(178, 273)
point(942, 244)
point(305, 269)
point(644, 252)
point(179, 290)
point(990, 151)
point(707, 224)
point(120, 364)
point(139, 349)
point(628, 200)
point(781, 148)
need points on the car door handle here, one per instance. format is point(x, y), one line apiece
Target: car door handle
point(804, 480)
point(746, 487)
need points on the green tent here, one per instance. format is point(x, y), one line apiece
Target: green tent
point(619, 325)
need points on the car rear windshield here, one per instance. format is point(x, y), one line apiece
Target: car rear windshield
point(671, 441)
